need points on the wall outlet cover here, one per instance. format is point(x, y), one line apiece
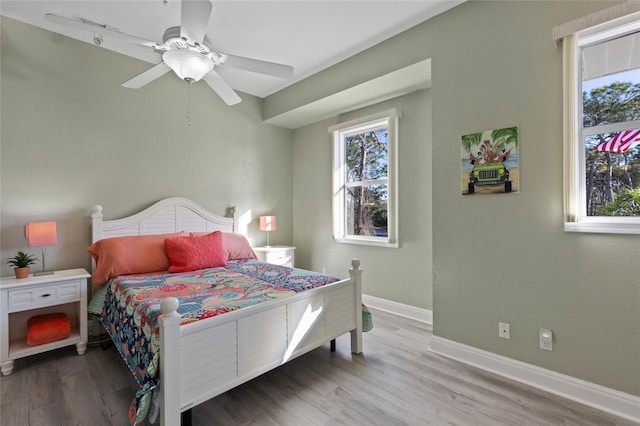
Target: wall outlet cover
point(504, 330)
point(546, 339)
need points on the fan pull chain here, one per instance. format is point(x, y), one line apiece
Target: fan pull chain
point(189, 105)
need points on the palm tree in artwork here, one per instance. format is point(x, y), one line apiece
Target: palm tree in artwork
point(508, 136)
point(469, 141)
point(495, 150)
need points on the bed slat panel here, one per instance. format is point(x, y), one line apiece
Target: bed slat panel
point(262, 340)
point(305, 321)
point(190, 221)
point(339, 310)
point(215, 226)
point(214, 360)
point(120, 232)
point(163, 221)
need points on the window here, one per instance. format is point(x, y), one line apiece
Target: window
point(364, 181)
point(602, 127)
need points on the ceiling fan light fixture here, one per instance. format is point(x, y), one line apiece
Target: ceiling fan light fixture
point(187, 64)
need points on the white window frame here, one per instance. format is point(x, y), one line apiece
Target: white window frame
point(575, 216)
point(339, 178)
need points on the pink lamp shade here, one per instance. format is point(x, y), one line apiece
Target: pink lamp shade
point(268, 223)
point(41, 234)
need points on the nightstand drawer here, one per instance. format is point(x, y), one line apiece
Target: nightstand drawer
point(276, 255)
point(54, 294)
point(284, 258)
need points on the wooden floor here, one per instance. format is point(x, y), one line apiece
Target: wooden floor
point(397, 381)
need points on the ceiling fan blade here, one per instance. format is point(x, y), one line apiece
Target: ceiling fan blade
point(258, 66)
point(147, 76)
point(195, 15)
point(221, 87)
point(94, 27)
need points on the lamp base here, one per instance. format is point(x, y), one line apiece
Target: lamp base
point(43, 272)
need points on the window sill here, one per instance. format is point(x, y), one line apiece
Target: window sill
point(367, 242)
point(603, 225)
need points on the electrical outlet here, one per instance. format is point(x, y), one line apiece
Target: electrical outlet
point(504, 330)
point(546, 339)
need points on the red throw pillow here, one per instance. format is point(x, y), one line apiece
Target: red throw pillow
point(195, 252)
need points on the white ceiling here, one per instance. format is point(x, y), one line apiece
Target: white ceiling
point(308, 35)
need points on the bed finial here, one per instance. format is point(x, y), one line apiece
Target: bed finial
point(96, 210)
point(355, 264)
point(231, 212)
point(169, 305)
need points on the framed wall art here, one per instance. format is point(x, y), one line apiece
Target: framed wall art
point(490, 162)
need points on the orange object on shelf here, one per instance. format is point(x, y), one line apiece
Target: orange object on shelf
point(47, 328)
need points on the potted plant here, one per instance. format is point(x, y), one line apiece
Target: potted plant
point(21, 262)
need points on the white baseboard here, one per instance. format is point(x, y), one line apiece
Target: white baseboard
point(612, 401)
point(400, 309)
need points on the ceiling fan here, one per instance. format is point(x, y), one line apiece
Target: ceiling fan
point(185, 49)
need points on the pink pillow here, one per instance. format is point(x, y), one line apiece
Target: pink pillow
point(195, 252)
point(135, 254)
point(236, 245)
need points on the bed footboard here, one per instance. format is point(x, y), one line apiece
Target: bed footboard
point(201, 360)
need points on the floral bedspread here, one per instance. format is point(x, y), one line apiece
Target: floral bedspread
point(132, 307)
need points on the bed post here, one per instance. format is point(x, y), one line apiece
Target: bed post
point(96, 223)
point(170, 392)
point(231, 212)
point(356, 335)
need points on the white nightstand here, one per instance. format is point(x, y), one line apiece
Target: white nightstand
point(277, 255)
point(20, 299)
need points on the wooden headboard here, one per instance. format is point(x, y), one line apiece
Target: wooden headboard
point(169, 215)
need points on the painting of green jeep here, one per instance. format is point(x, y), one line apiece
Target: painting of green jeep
point(490, 162)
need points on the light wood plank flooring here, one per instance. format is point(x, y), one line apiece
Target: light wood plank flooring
point(397, 381)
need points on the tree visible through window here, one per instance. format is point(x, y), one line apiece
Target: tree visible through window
point(612, 159)
point(364, 180)
point(602, 127)
point(367, 189)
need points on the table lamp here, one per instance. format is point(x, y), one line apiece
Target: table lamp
point(40, 234)
point(268, 224)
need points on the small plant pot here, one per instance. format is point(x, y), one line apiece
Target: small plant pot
point(22, 272)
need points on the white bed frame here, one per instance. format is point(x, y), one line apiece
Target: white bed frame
point(201, 360)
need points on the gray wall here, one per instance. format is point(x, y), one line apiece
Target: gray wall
point(399, 274)
point(495, 258)
point(71, 137)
